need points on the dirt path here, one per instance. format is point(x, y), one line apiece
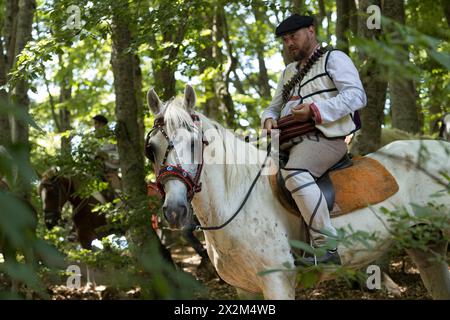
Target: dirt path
point(401, 270)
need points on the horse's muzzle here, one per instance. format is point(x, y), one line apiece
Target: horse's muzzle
point(51, 219)
point(176, 215)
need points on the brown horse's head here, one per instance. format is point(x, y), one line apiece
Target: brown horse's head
point(54, 190)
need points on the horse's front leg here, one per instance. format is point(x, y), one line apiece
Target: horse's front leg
point(85, 236)
point(279, 286)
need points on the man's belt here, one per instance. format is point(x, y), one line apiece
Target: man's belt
point(291, 128)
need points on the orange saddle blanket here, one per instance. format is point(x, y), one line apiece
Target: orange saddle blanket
point(365, 183)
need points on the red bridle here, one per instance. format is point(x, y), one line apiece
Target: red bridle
point(193, 184)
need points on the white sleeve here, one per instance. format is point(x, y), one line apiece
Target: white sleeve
point(274, 108)
point(351, 96)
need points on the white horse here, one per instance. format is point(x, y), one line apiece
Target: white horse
point(258, 238)
point(444, 132)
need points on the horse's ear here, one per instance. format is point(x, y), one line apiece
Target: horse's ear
point(189, 97)
point(153, 101)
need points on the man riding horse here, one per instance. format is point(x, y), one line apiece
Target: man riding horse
point(320, 92)
point(108, 156)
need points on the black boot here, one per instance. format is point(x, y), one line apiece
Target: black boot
point(330, 257)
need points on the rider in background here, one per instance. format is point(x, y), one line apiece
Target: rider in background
point(107, 154)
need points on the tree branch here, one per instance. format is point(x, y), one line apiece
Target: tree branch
point(51, 100)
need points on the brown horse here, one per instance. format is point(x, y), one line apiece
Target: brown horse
point(55, 190)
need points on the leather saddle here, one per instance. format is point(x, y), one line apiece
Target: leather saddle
point(324, 182)
point(359, 182)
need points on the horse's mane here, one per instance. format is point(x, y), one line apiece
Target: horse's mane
point(176, 116)
point(55, 173)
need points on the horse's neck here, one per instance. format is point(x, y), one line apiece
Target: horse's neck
point(70, 192)
point(71, 185)
point(215, 202)
point(224, 187)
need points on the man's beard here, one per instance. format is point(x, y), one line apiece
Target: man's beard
point(304, 52)
point(299, 55)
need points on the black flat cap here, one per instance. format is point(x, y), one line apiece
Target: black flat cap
point(293, 23)
point(100, 118)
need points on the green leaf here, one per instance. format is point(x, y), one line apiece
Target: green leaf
point(309, 279)
point(302, 245)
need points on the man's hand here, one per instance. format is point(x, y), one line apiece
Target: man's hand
point(302, 112)
point(270, 124)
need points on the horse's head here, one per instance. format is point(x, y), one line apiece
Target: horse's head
point(175, 146)
point(54, 192)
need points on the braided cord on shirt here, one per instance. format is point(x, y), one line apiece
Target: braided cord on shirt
point(290, 85)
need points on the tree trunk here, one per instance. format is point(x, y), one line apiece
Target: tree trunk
point(353, 17)
point(137, 79)
point(64, 114)
point(165, 81)
point(325, 34)
point(3, 60)
point(328, 32)
point(128, 135)
point(23, 35)
point(7, 54)
point(237, 83)
point(263, 76)
point(219, 104)
point(319, 18)
point(405, 113)
point(164, 69)
point(211, 107)
point(65, 126)
point(11, 18)
point(435, 109)
point(222, 78)
point(446, 8)
point(20, 129)
point(5, 130)
point(369, 137)
point(342, 24)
